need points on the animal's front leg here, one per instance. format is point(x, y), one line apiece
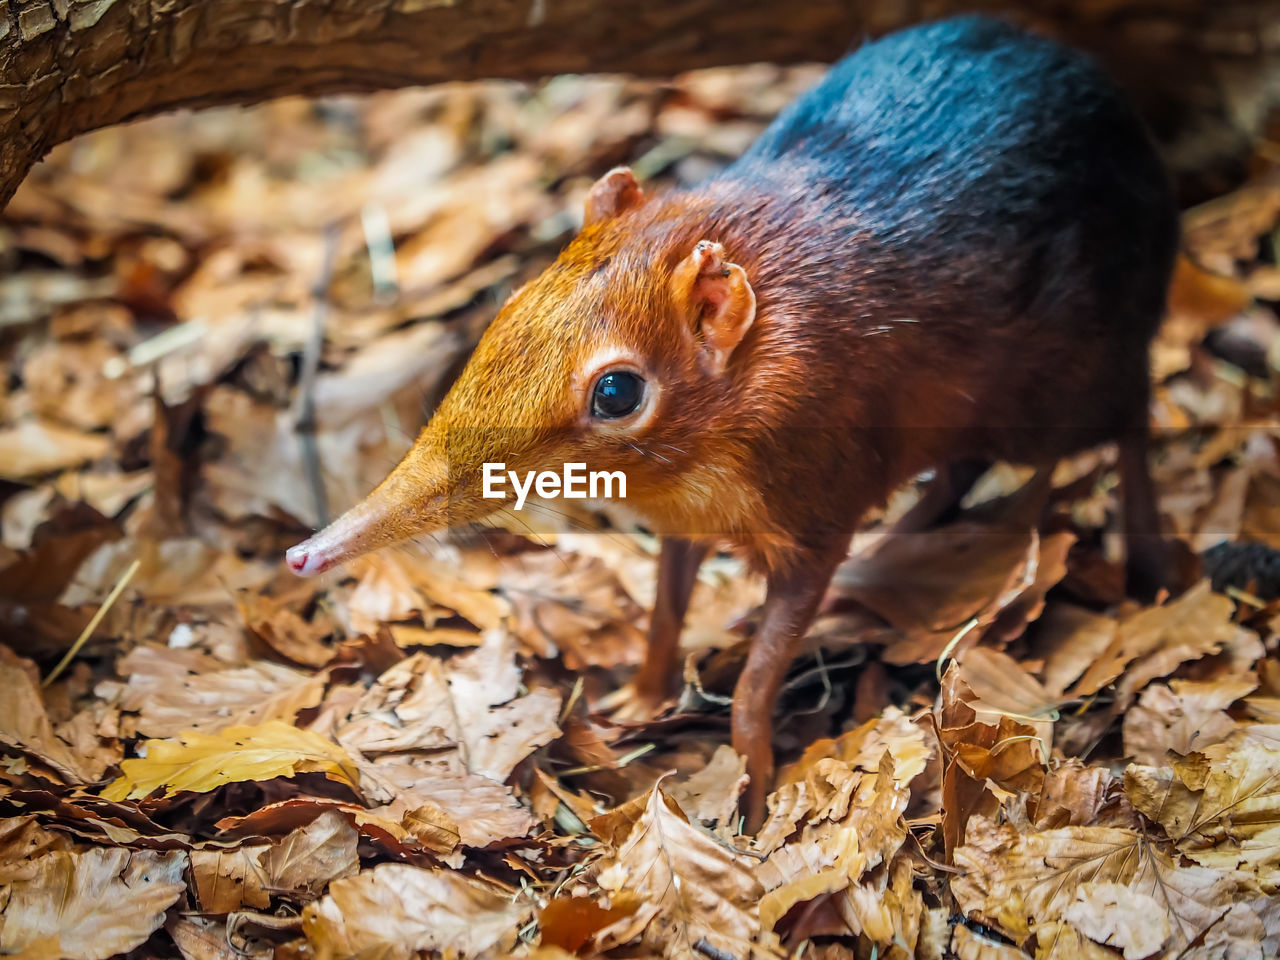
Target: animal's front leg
point(678, 565)
point(659, 676)
point(789, 606)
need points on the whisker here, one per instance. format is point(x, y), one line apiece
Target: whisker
point(645, 453)
point(534, 536)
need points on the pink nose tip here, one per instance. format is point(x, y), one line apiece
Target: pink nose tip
point(296, 558)
point(306, 559)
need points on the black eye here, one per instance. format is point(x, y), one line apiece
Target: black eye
point(616, 395)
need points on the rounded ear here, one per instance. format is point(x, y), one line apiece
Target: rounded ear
point(718, 300)
point(617, 191)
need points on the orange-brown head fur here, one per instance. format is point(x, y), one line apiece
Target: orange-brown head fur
point(639, 289)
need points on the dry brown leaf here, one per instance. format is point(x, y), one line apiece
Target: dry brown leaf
point(1059, 940)
point(393, 911)
point(178, 690)
point(25, 726)
point(711, 794)
point(204, 762)
point(573, 606)
point(411, 635)
point(468, 703)
point(568, 923)
point(261, 471)
point(1050, 568)
point(855, 826)
point(966, 944)
point(1154, 641)
point(1076, 795)
point(980, 760)
point(692, 888)
point(1009, 754)
point(483, 810)
point(863, 746)
point(1002, 687)
point(1222, 809)
point(1251, 928)
point(198, 938)
point(1183, 716)
point(230, 880)
point(409, 707)
point(32, 448)
point(313, 855)
point(46, 948)
point(22, 838)
point(1210, 298)
point(956, 572)
point(92, 735)
point(76, 900)
point(68, 384)
point(1016, 881)
point(430, 827)
point(930, 587)
point(285, 632)
point(400, 586)
point(510, 732)
point(1115, 915)
point(385, 592)
point(1070, 639)
point(405, 358)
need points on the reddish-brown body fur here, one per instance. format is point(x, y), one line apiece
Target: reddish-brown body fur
point(905, 272)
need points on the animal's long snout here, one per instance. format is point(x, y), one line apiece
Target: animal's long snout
point(410, 501)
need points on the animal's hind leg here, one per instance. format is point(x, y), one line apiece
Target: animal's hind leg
point(941, 498)
point(1148, 558)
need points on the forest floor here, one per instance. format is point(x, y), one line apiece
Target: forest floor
point(405, 756)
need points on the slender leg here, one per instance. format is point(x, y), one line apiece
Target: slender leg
point(678, 565)
point(1148, 561)
point(790, 602)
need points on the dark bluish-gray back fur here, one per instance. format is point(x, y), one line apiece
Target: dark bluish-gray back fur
point(970, 145)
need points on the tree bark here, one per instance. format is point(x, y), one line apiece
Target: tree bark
point(1207, 67)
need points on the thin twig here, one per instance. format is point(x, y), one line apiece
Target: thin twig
point(618, 764)
point(572, 699)
point(945, 655)
point(92, 625)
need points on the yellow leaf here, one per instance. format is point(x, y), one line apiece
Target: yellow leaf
point(204, 762)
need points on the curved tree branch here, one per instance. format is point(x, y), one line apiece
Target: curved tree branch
point(69, 66)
